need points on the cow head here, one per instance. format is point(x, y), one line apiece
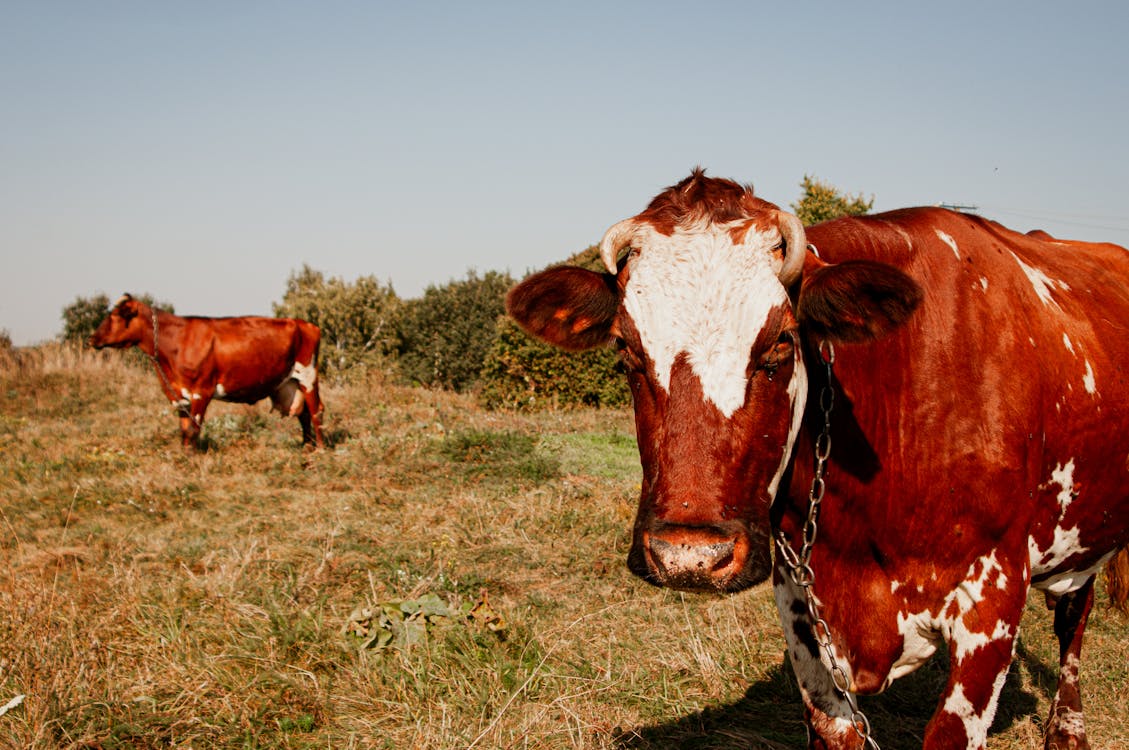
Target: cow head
point(709, 314)
point(123, 327)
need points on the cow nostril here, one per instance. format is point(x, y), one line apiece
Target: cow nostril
point(678, 559)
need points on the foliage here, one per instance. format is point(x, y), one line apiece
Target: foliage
point(402, 625)
point(357, 320)
point(82, 316)
point(447, 334)
point(821, 201)
point(524, 373)
point(8, 353)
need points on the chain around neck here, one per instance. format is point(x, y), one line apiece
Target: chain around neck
point(799, 564)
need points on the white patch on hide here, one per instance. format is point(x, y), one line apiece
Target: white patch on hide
point(975, 725)
point(1088, 380)
point(1063, 476)
point(1040, 282)
point(306, 375)
point(948, 240)
point(797, 399)
point(813, 673)
point(1066, 342)
point(1066, 542)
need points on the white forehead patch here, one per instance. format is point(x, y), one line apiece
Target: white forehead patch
point(694, 292)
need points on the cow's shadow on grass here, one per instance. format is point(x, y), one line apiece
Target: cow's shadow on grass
point(770, 715)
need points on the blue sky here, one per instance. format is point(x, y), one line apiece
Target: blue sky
point(202, 152)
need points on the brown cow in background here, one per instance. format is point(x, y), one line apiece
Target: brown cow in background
point(243, 360)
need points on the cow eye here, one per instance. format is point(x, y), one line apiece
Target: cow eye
point(631, 362)
point(780, 353)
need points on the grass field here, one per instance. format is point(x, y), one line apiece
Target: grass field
point(443, 577)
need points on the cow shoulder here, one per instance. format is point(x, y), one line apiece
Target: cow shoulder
point(566, 306)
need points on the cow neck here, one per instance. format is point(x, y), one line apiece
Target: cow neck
point(156, 362)
point(799, 563)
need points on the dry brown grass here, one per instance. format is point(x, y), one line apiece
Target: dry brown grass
point(150, 598)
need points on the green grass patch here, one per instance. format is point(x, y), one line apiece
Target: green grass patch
point(493, 454)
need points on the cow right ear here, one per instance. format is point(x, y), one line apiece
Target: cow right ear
point(568, 307)
point(856, 300)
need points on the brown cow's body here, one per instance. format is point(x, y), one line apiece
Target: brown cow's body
point(242, 359)
point(975, 432)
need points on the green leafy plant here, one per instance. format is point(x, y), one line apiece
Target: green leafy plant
point(447, 334)
point(822, 201)
point(358, 320)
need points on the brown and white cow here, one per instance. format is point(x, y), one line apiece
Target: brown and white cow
point(233, 359)
point(972, 422)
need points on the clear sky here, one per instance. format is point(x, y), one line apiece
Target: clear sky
point(201, 152)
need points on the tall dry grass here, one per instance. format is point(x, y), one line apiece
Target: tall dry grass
point(239, 597)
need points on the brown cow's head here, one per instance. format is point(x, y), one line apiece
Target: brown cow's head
point(702, 311)
point(123, 327)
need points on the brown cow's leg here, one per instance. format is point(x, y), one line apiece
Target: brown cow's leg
point(191, 422)
point(968, 704)
point(310, 417)
point(1065, 727)
point(189, 432)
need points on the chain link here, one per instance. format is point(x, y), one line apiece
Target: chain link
point(799, 564)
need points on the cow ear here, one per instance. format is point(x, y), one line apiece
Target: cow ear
point(569, 307)
point(856, 300)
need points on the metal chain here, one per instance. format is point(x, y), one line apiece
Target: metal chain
point(799, 565)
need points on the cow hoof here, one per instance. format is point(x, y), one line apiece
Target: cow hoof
point(1062, 741)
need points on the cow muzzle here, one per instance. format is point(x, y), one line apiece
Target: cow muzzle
point(707, 559)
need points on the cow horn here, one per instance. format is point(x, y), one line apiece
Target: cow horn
point(614, 241)
point(795, 247)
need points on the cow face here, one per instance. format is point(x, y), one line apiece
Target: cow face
point(701, 309)
point(707, 334)
point(123, 327)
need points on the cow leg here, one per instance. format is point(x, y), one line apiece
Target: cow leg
point(310, 417)
point(978, 665)
point(191, 422)
point(1065, 727)
point(826, 712)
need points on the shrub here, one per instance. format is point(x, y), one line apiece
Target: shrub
point(524, 373)
point(448, 333)
point(358, 320)
point(822, 201)
point(82, 316)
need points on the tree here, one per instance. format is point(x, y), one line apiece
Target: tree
point(821, 201)
point(447, 334)
point(81, 317)
point(358, 320)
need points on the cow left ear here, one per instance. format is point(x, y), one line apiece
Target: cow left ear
point(569, 307)
point(857, 300)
